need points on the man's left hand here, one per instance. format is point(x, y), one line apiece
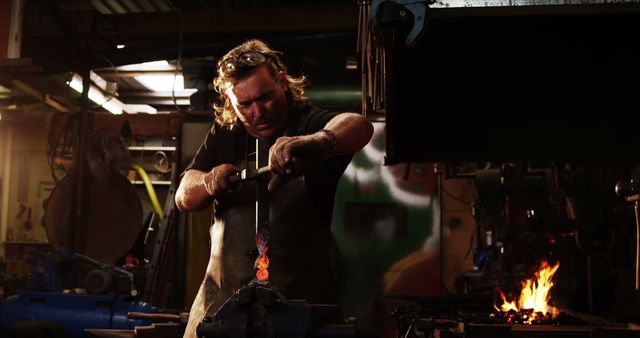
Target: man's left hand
point(289, 157)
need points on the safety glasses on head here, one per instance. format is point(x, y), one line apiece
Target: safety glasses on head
point(247, 59)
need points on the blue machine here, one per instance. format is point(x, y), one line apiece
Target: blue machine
point(110, 296)
point(75, 311)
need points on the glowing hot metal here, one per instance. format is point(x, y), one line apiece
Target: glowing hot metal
point(262, 262)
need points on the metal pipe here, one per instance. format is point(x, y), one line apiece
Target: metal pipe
point(77, 228)
point(15, 29)
point(589, 285)
point(262, 194)
point(636, 209)
point(262, 217)
point(6, 183)
point(438, 171)
point(342, 96)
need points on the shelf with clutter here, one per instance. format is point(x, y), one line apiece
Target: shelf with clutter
point(153, 160)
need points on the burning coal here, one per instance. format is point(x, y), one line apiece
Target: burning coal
point(532, 306)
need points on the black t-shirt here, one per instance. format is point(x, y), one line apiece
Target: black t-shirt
point(234, 146)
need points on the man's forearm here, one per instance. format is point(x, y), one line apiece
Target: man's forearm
point(352, 131)
point(191, 194)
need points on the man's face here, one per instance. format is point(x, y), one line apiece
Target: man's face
point(260, 103)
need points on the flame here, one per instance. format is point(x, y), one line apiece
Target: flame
point(534, 295)
point(261, 264)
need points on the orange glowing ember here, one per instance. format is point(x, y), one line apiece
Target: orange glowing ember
point(534, 296)
point(262, 263)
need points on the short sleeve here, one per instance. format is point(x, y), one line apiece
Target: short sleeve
point(205, 158)
point(309, 119)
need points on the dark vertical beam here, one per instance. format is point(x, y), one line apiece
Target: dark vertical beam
point(5, 20)
point(78, 225)
point(79, 189)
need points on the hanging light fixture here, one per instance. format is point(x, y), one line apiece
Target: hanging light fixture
point(98, 87)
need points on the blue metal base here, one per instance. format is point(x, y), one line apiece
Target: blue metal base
point(76, 312)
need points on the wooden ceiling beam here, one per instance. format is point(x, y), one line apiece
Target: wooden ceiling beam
point(237, 21)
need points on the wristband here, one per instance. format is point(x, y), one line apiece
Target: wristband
point(334, 138)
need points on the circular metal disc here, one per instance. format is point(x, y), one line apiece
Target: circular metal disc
point(112, 213)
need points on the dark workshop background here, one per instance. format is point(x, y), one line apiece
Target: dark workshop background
point(411, 217)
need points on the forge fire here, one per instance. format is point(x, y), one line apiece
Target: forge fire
point(532, 305)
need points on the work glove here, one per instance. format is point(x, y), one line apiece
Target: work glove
point(216, 181)
point(291, 156)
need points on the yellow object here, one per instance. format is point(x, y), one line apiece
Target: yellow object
point(150, 190)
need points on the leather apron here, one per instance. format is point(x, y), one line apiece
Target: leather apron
point(298, 250)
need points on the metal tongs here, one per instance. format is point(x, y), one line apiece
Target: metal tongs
point(251, 175)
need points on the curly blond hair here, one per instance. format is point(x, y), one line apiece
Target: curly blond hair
point(225, 115)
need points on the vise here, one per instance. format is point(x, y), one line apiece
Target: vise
point(258, 310)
